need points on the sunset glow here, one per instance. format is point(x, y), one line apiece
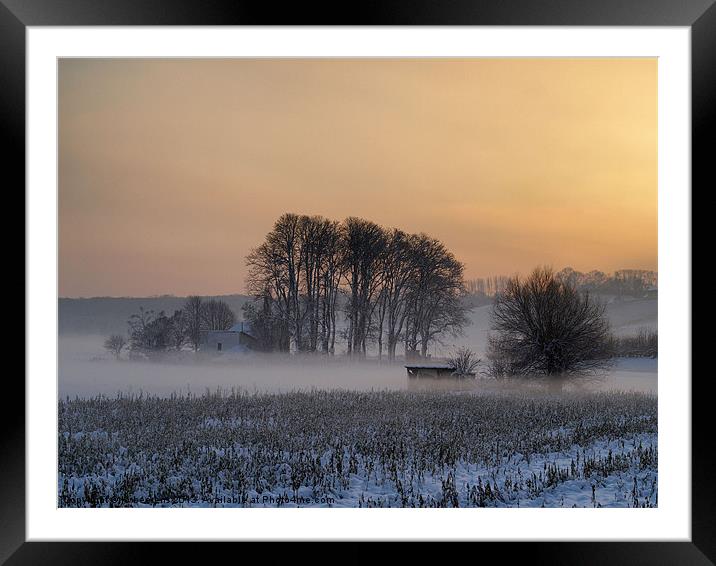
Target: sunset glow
point(170, 171)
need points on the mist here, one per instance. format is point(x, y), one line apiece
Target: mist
point(84, 371)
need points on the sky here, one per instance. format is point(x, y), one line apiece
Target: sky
point(170, 171)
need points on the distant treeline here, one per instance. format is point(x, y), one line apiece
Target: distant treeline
point(153, 332)
point(643, 344)
point(109, 315)
point(625, 282)
point(317, 283)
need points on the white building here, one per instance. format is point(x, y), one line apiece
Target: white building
point(237, 339)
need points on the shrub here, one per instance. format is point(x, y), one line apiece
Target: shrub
point(465, 362)
point(543, 325)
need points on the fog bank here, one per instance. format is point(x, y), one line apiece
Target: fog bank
point(85, 371)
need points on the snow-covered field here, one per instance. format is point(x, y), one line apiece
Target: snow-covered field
point(361, 449)
point(330, 432)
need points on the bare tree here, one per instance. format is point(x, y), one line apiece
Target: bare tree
point(544, 325)
point(320, 252)
point(330, 280)
point(149, 332)
point(193, 311)
point(179, 332)
point(275, 272)
point(270, 331)
point(364, 245)
point(114, 344)
point(435, 302)
point(217, 315)
point(399, 268)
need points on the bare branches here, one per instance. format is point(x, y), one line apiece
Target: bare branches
point(435, 297)
point(364, 245)
point(114, 344)
point(390, 285)
point(294, 275)
point(217, 315)
point(543, 325)
point(193, 309)
point(151, 333)
point(465, 362)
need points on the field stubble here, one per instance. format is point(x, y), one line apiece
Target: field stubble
point(360, 449)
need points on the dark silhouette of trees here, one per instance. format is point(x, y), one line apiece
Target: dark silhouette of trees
point(274, 272)
point(179, 327)
point(193, 310)
point(149, 332)
point(217, 315)
point(364, 243)
point(643, 344)
point(398, 270)
point(295, 276)
point(435, 299)
point(270, 331)
point(544, 325)
point(622, 283)
point(319, 278)
point(387, 283)
point(331, 274)
point(114, 344)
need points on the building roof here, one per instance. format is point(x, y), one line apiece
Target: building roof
point(430, 366)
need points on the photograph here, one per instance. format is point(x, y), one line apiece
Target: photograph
point(358, 282)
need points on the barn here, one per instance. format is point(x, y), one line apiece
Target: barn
point(430, 370)
point(237, 339)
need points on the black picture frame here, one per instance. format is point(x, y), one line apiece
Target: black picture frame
point(17, 15)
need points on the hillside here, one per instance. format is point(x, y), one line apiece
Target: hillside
point(108, 315)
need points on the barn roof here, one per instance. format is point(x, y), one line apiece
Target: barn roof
point(430, 366)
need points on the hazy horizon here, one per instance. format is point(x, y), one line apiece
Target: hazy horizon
point(170, 171)
point(242, 292)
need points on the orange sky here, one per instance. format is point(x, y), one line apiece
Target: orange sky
point(171, 170)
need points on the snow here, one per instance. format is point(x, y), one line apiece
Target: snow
point(353, 449)
point(516, 447)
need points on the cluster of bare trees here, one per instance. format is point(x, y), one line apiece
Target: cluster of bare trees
point(623, 282)
point(201, 315)
point(151, 332)
point(316, 282)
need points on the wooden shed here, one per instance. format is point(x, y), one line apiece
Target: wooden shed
point(430, 370)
